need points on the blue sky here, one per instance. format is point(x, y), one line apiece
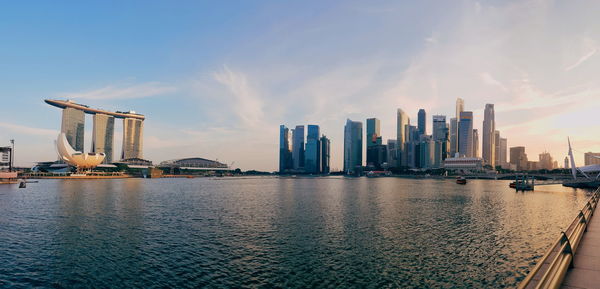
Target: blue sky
point(215, 79)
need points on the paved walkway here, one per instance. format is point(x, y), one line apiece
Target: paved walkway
point(586, 268)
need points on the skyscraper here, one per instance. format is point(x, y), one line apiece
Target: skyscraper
point(453, 136)
point(591, 158)
point(426, 152)
point(376, 151)
point(391, 153)
point(460, 107)
point(503, 152)
point(102, 135)
point(488, 142)
point(402, 121)
point(352, 146)
point(440, 134)
point(465, 134)
point(422, 122)
point(475, 143)
point(132, 138)
point(73, 125)
point(285, 150)
point(298, 147)
point(440, 127)
point(518, 158)
point(545, 161)
point(325, 155)
point(497, 161)
point(312, 155)
point(373, 132)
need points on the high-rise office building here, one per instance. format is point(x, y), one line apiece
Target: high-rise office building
point(545, 161)
point(422, 122)
point(441, 135)
point(518, 158)
point(102, 136)
point(73, 126)
point(298, 147)
point(132, 138)
point(352, 146)
point(376, 151)
point(496, 149)
point(465, 134)
point(502, 159)
point(402, 121)
point(312, 155)
point(475, 143)
point(591, 158)
point(325, 155)
point(391, 153)
point(453, 136)
point(285, 149)
point(426, 152)
point(460, 107)
point(373, 132)
point(440, 127)
point(489, 142)
point(566, 165)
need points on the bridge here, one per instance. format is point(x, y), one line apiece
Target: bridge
point(573, 260)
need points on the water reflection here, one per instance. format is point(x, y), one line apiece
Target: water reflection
point(277, 232)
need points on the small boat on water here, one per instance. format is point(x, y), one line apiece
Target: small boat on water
point(513, 185)
point(461, 181)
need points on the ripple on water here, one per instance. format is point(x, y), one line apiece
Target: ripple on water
point(270, 233)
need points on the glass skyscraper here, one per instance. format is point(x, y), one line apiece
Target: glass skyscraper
point(325, 155)
point(465, 134)
point(488, 148)
point(352, 146)
point(285, 149)
point(298, 147)
point(422, 122)
point(402, 121)
point(312, 155)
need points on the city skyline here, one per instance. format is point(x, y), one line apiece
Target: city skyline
point(205, 93)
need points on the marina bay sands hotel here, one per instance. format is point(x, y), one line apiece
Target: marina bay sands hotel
point(73, 124)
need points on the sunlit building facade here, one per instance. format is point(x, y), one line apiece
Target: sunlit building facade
point(402, 122)
point(103, 136)
point(133, 132)
point(73, 126)
point(488, 147)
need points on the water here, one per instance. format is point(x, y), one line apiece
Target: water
point(270, 232)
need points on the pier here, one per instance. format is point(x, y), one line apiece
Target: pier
point(573, 260)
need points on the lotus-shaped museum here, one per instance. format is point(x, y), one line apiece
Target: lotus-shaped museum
point(76, 158)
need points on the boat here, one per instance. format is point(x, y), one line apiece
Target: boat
point(513, 185)
point(461, 181)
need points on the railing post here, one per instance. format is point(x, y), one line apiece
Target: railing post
point(568, 249)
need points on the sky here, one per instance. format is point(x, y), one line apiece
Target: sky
point(215, 79)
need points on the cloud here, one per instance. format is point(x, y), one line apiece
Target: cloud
point(582, 59)
point(21, 129)
point(133, 91)
point(243, 98)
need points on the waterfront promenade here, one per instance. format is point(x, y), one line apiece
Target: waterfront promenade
point(585, 272)
point(573, 261)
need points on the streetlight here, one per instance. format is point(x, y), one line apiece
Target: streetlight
point(12, 152)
